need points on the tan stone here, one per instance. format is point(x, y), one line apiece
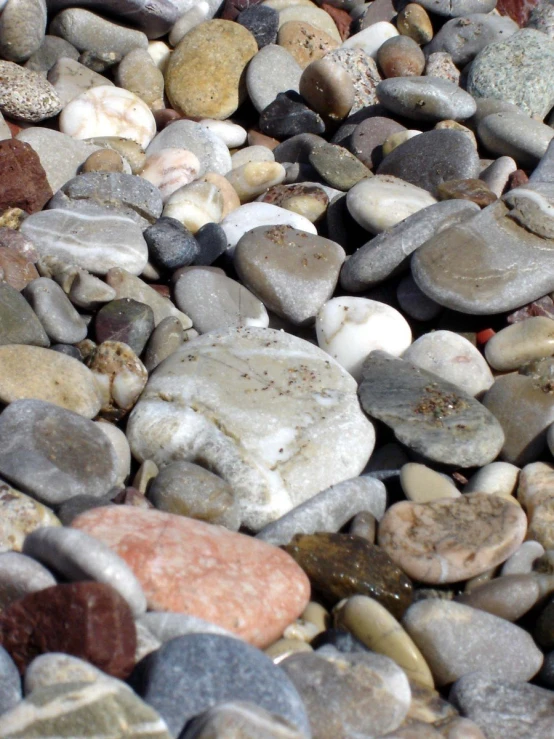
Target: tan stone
point(421, 484)
point(15, 269)
point(283, 648)
point(254, 178)
point(413, 21)
point(19, 515)
point(230, 198)
point(305, 42)
point(204, 73)
point(509, 596)
point(520, 343)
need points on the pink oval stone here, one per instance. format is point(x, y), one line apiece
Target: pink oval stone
point(251, 588)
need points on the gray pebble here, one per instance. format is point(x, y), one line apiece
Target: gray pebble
point(167, 337)
point(73, 507)
point(496, 175)
point(235, 719)
point(90, 32)
point(165, 625)
point(456, 8)
point(70, 78)
point(20, 575)
point(425, 99)
point(22, 28)
point(19, 324)
point(59, 318)
point(211, 150)
point(49, 52)
point(544, 171)
point(53, 668)
point(10, 682)
point(414, 302)
point(463, 38)
point(170, 244)
point(515, 135)
point(262, 81)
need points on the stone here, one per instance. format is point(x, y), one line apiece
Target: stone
point(287, 116)
point(464, 37)
point(341, 565)
point(262, 22)
point(453, 358)
point(138, 73)
point(305, 41)
point(520, 343)
point(511, 652)
point(360, 694)
point(208, 147)
point(59, 318)
point(501, 706)
point(84, 708)
point(442, 541)
point(189, 490)
point(252, 179)
point(216, 302)
point(201, 81)
point(93, 238)
point(19, 323)
point(120, 377)
point(220, 594)
point(530, 206)
point(515, 135)
point(101, 630)
point(122, 449)
point(24, 182)
point(523, 559)
point(421, 484)
point(132, 153)
point(400, 56)
point(263, 84)
point(458, 7)
point(20, 575)
point(466, 189)
point(20, 516)
point(368, 137)
point(54, 668)
point(26, 95)
point(15, 269)
point(104, 160)
point(328, 89)
point(170, 244)
point(164, 340)
point(425, 99)
point(70, 78)
point(125, 320)
point(62, 380)
point(170, 169)
point(51, 49)
point(363, 72)
point(234, 719)
point(327, 398)
point(108, 111)
point(431, 416)
point(164, 625)
point(10, 683)
point(509, 597)
point(371, 623)
point(22, 28)
point(503, 68)
point(33, 433)
point(371, 38)
point(350, 328)
point(414, 302)
point(208, 669)
point(338, 167)
point(414, 22)
point(329, 510)
point(90, 32)
point(440, 64)
point(432, 158)
point(195, 204)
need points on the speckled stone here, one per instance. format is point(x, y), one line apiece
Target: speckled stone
point(463, 38)
point(363, 72)
point(20, 515)
point(305, 42)
point(26, 95)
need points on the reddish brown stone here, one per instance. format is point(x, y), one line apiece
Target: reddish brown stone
point(165, 117)
point(342, 19)
point(17, 242)
point(24, 183)
point(231, 8)
point(474, 190)
point(516, 179)
point(88, 620)
point(518, 10)
point(15, 269)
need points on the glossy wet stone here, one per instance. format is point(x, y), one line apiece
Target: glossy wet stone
point(340, 565)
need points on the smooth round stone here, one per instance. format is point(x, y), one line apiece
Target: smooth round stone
point(33, 372)
point(214, 301)
point(338, 167)
point(453, 358)
point(321, 392)
point(422, 484)
point(108, 111)
point(438, 627)
point(20, 575)
point(90, 32)
point(414, 302)
point(263, 84)
point(466, 189)
point(61, 321)
point(254, 153)
point(212, 243)
point(121, 446)
point(254, 178)
point(93, 238)
point(375, 627)
point(22, 28)
point(395, 139)
point(252, 215)
point(170, 169)
point(509, 597)
point(19, 323)
point(456, 8)
point(170, 244)
point(305, 42)
point(368, 137)
point(329, 510)
point(229, 196)
point(414, 22)
point(231, 133)
point(354, 691)
point(534, 493)
point(164, 340)
point(497, 478)
point(298, 148)
point(234, 718)
point(204, 71)
point(328, 89)
point(195, 205)
point(189, 490)
point(531, 205)
point(191, 673)
point(425, 99)
point(53, 453)
point(165, 625)
point(10, 682)
point(20, 515)
point(350, 328)
point(363, 72)
point(138, 73)
point(463, 38)
point(54, 668)
point(400, 56)
point(370, 39)
point(26, 95)
point(277, 262)
point(105, 160)
point(431, 158)
point(78, 556)
point(515, 135)
point(521, 562)
point(379, 203)
point(125, 320)
point(309, 200)
point(211, 150)
point(520, 343)
point(453, 539)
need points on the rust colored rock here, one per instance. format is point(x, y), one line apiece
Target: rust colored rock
point(15, 269)
point(89, 620)
point(342, 19)
point(24, 183)
point(517, 179)
point(518, 10)
point(474, 190)
point(235, 581)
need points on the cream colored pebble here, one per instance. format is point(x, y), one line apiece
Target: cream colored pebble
point(170, 169)
point(195, 205)
point(252, 179)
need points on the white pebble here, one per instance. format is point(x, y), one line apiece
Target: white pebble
point(170, 169)
point(122, 449)
point(521, 561)
point(233, 134)
point(255, 153)
point(496, 478)
point(195, 205)
point(160, 53)
point(371, 38)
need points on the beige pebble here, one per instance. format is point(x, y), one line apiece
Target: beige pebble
point(253, 179)
point(122, 449)
point(283, 648)
point(170, 169)
point(279, 5)
point(496, 478)
point(536, 484)
point(138, 73)
point(144, 475)
point(120, 377)
point(104, 160)
point(421, 484)
point(400, 56)
point(312, 15)
point(413, 21)
point(395, 139)
point(89, 292)
point(328, 89)
point(452, 539)
point(509, 597)
point(461, 728)
point(19, 515)
point(131, 152)
point(520, 343)
point(301, 630)
point(159, 53)
point(252, 154)
point(195, 205)
point(523, 559)
point(230, 198)
point(304, 42)
point(317, 615)
point(374, 626)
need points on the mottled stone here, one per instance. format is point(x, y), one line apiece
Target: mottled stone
point(463, 38)
point(20, 515)
point(15, 269)
point(125, 320)
point(305, 42)
point(26, 95)
point(363, 72)
point(120, 377)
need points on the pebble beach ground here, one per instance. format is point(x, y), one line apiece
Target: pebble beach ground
point(276, 369)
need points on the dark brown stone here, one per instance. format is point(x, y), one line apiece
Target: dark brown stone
point(231, 8)
point(24, 183)
point(516, 179)
point(89, 620)
point(341, 565)
point(368, 138)
point(342, 19)
point(471, 189)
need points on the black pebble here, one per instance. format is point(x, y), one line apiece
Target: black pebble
point(170, 244)
point(262, 22)
point(288, 116)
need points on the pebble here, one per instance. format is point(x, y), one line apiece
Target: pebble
point(19, 324)
point(328, 89)
point(165, 625)
point(254, 178)
point(305, 42)
point(421, 484)
point(440, 64)
point(363, 72)
point(355, 691)
point(414, 22)
point(195, 204)
point(329, 510)
point(400, 56)
point(20, 575)
point(414, 302)
point(350, 328)
point(233, 718)
point(166, 338)
point(22, 29)
point(530, 206)
point(59, 318)
point(520, 343)
point(54, 668)
point(125, 320)
point(138, 73)
point(263, 84)
point(311, 15)
point(15, 270)
point(511, 652)
point(50, 50)
point(337, 166)
point(456, 8)
point(425, 99)
point(370, 39)
point(88, 31)
point(523, 559)
point(367, 139)
point(509, 597)
point(20, 516)
point(496, 478)
point(287, 116)
point(192, 673)
point(10, 682)
point(511, 134)
point(26, 95)
point(70, 78)
point(463, 38)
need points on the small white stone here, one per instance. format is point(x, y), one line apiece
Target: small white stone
point(400, 137)
point(371, 38)
point(251, 215)
point(195, 205)
point(160, 53)
point(496, 478)
point(379, 203)
point(108, 111)
point(233, 134)
point(521, 561)
point(349, 328)
point(253, 179)
point(122, 449)
point(170, 169)
point(255, 153)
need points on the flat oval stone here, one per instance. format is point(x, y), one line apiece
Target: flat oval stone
point(203, 76)
point(341, 565)
point(263, 84)
point(192, 673)
point(61, 380)
point(20, 575)
point(328, 89)
point(367, 138)
point(509, 596)
point(19, 323)
point(78, 556)
point(425, 99)
point(421, 484)
point(91, 32)
point(61, 321)
point(22, 28)
point(520, 343)
point(431, 416)
point(54, 454)
point(439, 627)
point(192, 567)
point(20, 515)
point(455, 8)
point(452, 539)
point(260, 459)
point(512, 134)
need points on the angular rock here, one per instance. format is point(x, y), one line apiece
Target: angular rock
point(125, 320)
point(24, 182)
point(20, 515)
point(19, 323)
